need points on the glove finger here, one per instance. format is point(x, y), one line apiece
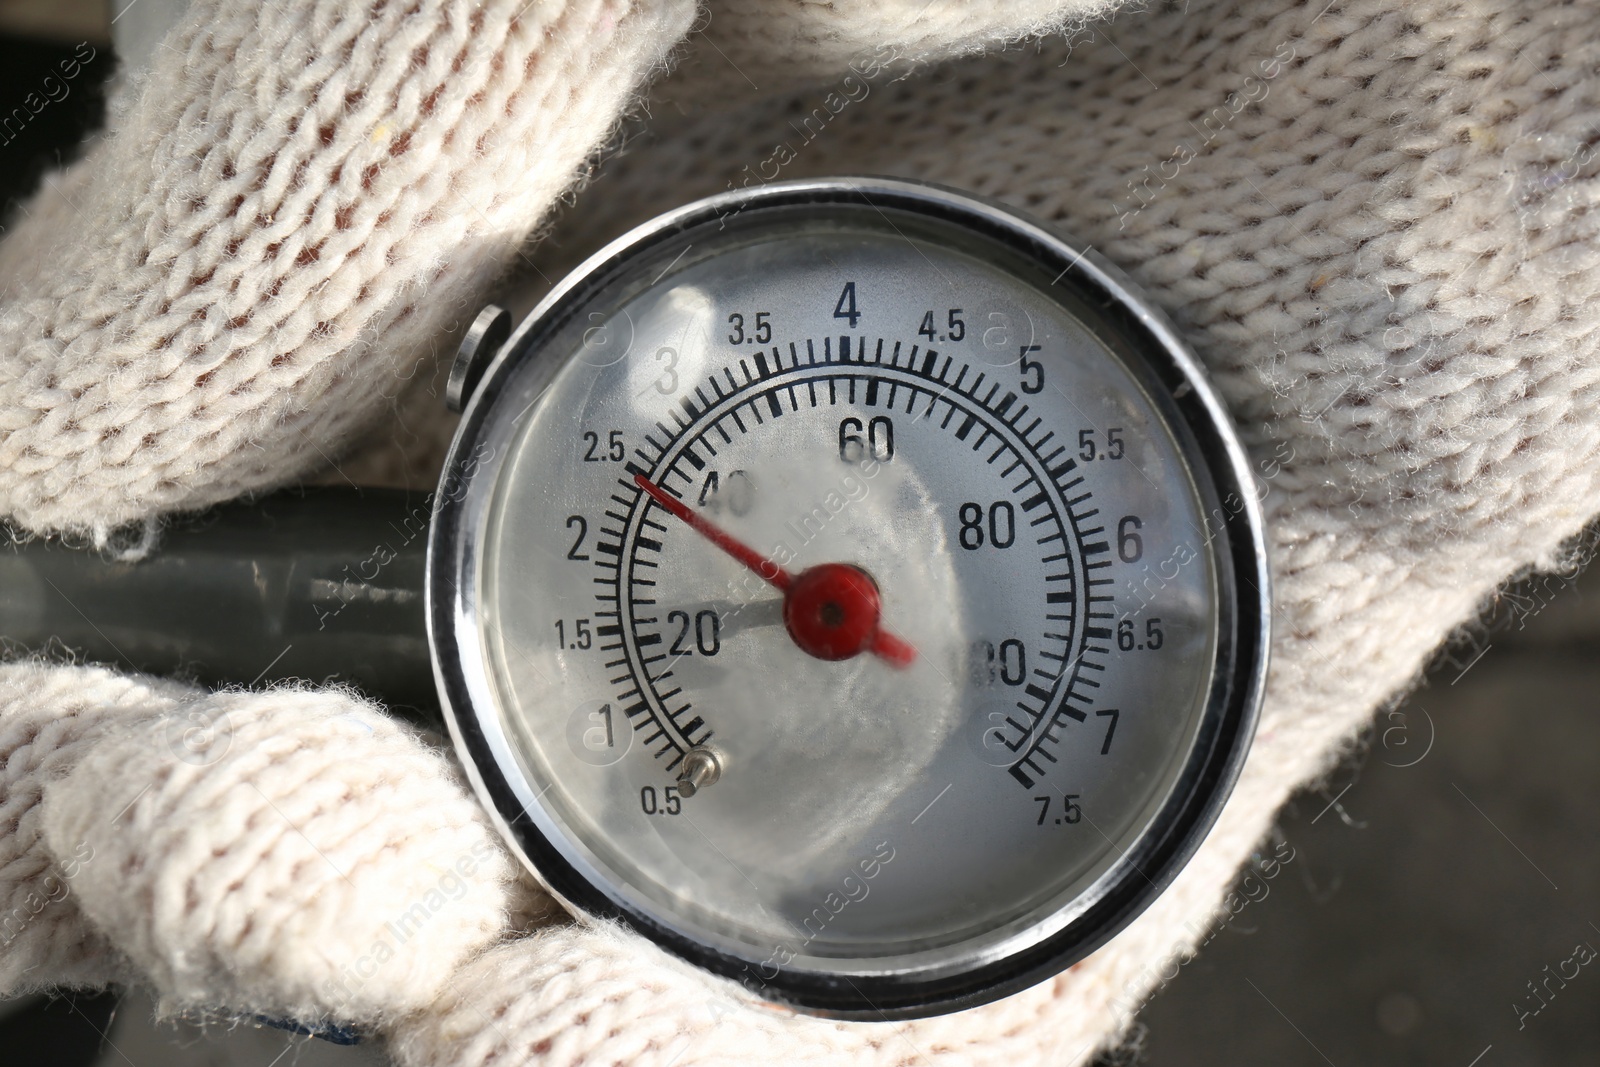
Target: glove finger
point(293, 853)
point(746, 48)
point(50, 718)
point(579, 994)
point(583, 995)
point(294, 202)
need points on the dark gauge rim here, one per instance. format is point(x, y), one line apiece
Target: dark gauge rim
point(1151, 350)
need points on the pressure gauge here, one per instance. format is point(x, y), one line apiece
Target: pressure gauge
point(853, 587)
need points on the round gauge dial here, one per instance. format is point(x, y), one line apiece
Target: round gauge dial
point(855, 588)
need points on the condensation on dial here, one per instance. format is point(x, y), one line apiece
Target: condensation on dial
point(864, 397)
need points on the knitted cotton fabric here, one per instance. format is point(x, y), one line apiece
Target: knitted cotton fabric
point(297, 852)
point(741, 49)
point(49, 719)
point(1374, 225)
point(289, 214)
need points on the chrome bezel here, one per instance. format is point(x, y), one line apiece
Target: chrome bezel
point(1194, 414)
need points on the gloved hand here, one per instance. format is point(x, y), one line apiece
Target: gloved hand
point(1372, 224)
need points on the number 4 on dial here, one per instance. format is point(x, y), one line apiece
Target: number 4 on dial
point(846, 307)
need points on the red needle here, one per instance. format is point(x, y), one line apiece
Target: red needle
point(831, 610)
point(766, 568)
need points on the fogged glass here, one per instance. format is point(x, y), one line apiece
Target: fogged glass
point(852, 392)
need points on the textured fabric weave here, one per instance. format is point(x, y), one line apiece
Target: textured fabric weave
point(296, 204)
point(1374, 222)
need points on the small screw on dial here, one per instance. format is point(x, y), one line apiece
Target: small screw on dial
point(701, 768)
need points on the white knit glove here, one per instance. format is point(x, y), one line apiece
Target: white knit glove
point(1374, 222)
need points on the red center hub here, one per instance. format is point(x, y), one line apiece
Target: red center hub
point(832, 610)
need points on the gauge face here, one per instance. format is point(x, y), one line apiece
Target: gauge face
point(854, 589)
